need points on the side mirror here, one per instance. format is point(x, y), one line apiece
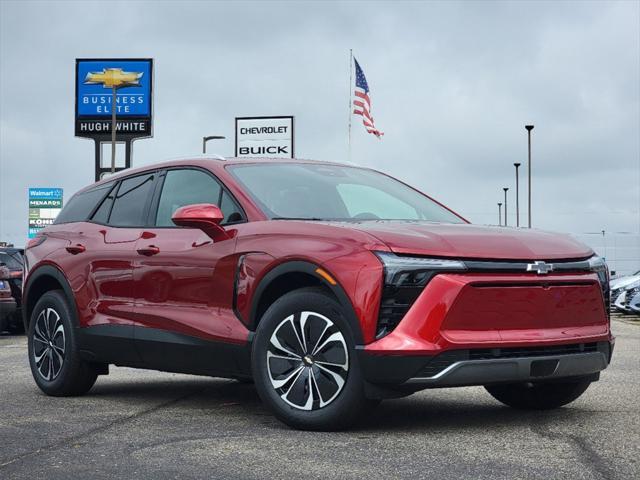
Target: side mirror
point(205, 216)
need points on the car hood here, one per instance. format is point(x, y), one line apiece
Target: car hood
point(473, 241)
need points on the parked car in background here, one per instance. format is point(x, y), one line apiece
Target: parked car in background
point(627, 298)
point(618, 287)
point(634, 303)
point(332, 286)
point(12, 260)
point(7, 302)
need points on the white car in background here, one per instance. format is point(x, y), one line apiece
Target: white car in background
point(627, 299)
point(634, 303)
point(618, 289)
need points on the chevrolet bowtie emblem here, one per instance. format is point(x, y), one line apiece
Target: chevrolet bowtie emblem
point(114, 78)
point(541, 268)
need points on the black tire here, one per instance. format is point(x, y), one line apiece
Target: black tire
point(4, 323)
point(538, 396)
point(328, 371)
point(59, 378)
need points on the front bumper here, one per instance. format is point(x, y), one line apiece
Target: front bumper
point(485, 366)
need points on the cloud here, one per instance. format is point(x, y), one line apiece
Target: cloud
point(453, 84)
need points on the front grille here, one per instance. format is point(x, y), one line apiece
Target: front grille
point(444, 360)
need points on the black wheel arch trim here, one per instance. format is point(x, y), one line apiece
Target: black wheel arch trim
point(48, 270)
point(302, 266)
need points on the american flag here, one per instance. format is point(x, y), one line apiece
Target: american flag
point(362, 102)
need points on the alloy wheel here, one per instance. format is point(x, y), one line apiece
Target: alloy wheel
point(49, 344)
point(307, 360)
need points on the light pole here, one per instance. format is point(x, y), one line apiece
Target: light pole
point(210, 137)
point(499, 214)
point(517, 165)
point(506, 222)
point(113, 128)
point(529, 128)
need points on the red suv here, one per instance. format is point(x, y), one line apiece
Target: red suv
point(331, 286)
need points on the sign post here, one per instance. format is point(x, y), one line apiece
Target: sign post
point(119, 90)
point(44, 206)
point(265, 137)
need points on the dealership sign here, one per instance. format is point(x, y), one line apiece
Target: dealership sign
point(105, 86)
point(264, 137)
point(44, 206)
point(95, 81)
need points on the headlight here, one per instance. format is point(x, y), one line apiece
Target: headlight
point(633, 290)
point(599, 266)
point(597, 263)
point(404, 279)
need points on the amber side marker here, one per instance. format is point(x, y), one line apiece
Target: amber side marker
point(326, 276)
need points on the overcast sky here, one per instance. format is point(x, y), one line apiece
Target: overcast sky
point(452, 86)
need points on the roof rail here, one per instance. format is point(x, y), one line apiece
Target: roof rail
point(209, 155)
point(203, 156)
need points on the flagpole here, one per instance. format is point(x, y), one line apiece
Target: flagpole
point(350, 93)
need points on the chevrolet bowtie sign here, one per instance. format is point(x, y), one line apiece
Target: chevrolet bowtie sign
point(95, 81)
point(264, 137)
point(113, 77)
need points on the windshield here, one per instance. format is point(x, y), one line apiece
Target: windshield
point(332, 192)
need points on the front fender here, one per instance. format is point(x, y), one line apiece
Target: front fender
point(308, 268)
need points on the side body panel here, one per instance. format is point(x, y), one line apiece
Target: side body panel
point(100, 278)
point(184, 303)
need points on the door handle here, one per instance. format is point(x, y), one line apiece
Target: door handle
point(148, 251)
point(75, 249)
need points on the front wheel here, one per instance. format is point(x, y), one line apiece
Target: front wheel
point(304, 363)
point(54, 357)
point(538, 396)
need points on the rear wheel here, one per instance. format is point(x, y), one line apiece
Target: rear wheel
point(538, 396)
point(304, 364)
point(54, 357)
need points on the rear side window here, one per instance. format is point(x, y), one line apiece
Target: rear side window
point(185, 187)
point(101, 215)
point(130, 202)
point(82, 204)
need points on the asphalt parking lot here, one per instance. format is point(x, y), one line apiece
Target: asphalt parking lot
point(141, 424)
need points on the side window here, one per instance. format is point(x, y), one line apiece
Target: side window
point(81, 204)
point(129, 204)
point(188, 186)
point(230, 209)
point(185, 187)
point(101, 215)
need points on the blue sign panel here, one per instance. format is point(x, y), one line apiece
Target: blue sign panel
point(95, 81)
point(45, 193)
point(44, 206)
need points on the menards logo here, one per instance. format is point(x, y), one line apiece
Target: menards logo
point(36, 203)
